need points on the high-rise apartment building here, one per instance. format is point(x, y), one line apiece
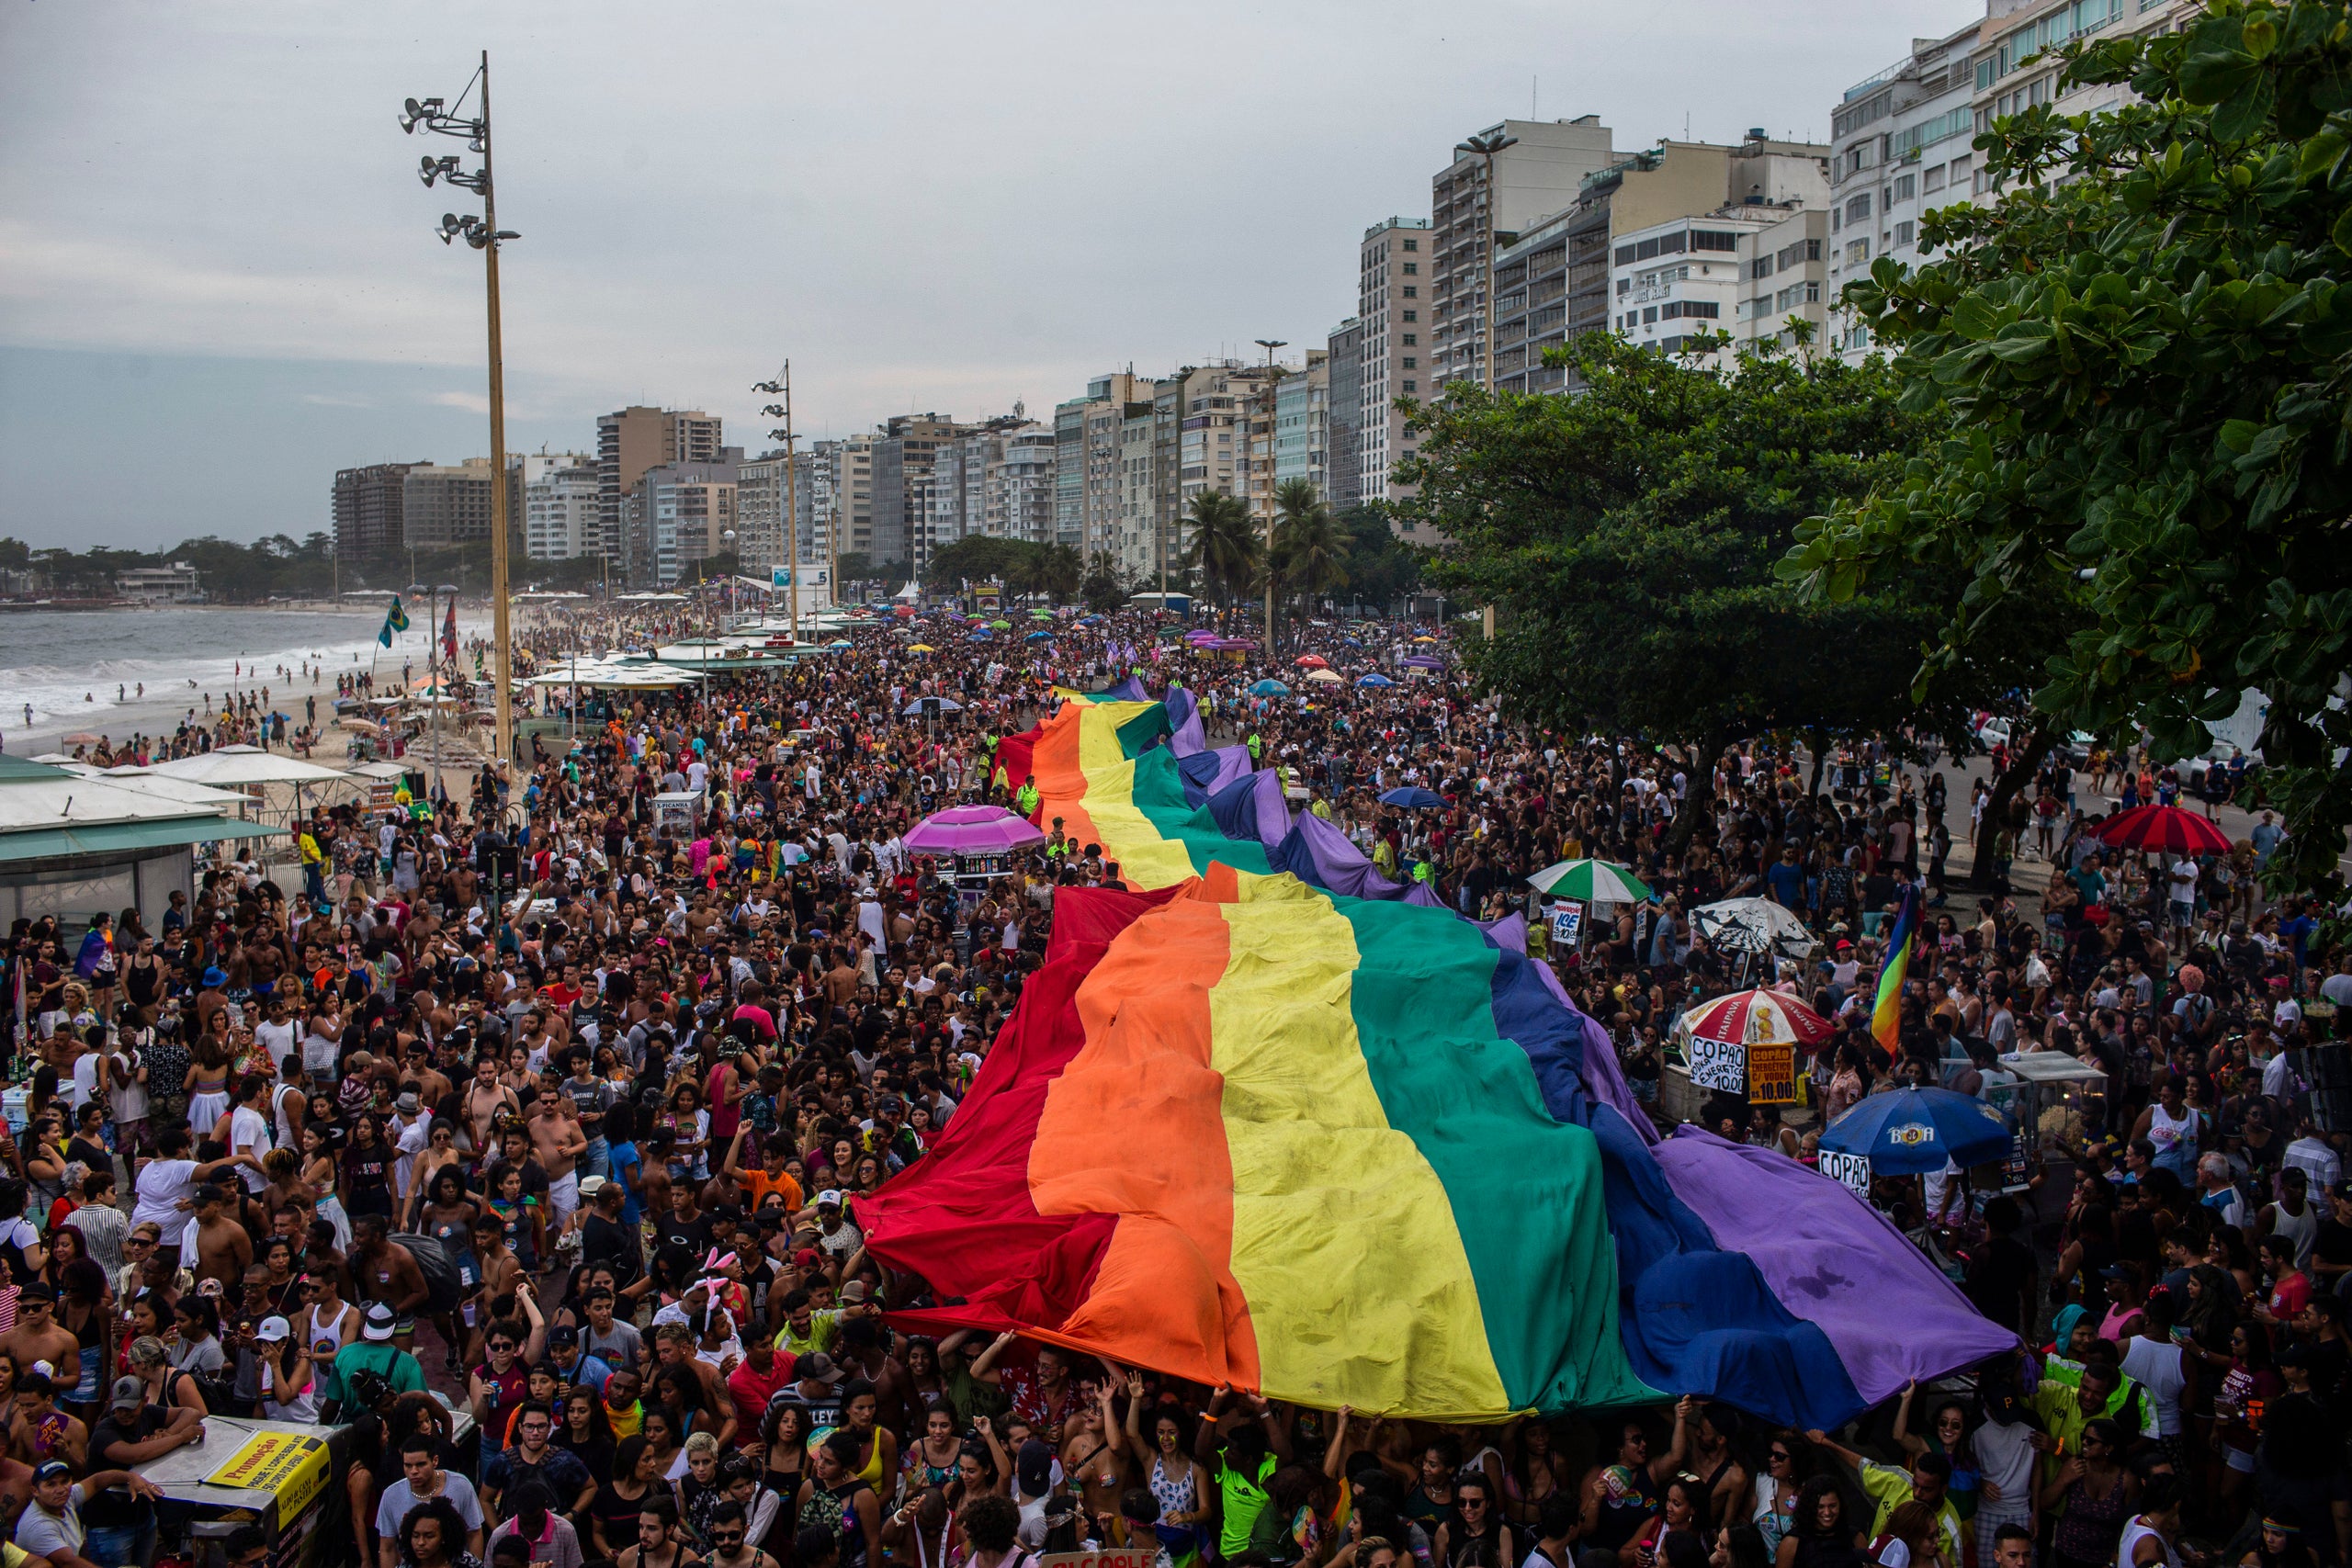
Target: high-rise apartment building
point(1303, 424)
point(902, 453)
point(1393, 353)
point(2015, 62)
point(367, 510)
point(761, 514)
point(1090, 451)
point(842, 487)
point(1559, 278)
point(999, 480)
point(562, 514)
point(687, 511)
point(633, 439)
point(1899, 144)
point(441, 506)
point(1539, 175)
point(1343, 461)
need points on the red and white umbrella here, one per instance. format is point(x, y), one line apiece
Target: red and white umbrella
point(1310, 661)
point(2166, 828)
point(1754, 1017)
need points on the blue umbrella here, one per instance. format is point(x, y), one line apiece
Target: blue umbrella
point(1039, 637)
point(1374, 681)
point(1912, 1132)
point(1412, 797)
point(983, 635)
point(1270, 689)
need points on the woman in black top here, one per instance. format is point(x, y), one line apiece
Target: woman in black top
point(612, 1513)
point(581, 1426)
point(366, 1170)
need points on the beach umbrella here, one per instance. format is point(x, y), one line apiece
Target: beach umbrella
point(1270, 689)
point(921, 648)
point(1425, 639)
point(1753, 926)
point(2166, 829)
point(83, 737)
point(1310, 661)
point(1002, 626)
point(1594, 881)
point(946, 704)
point(1754, 1017)
point(1374, 681)
point(1912, 1132)
point(1330, 677)
point(973, 830)
point(838, 642)
point(984, 634)
point(1413, 798)
point(1039, 637)
point(1041, 614)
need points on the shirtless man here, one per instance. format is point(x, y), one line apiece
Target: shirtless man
point(557, 1139)
point(38, 1337)
point(501, 1272)
point(388, 1274)
point(224, 1249)
point(483, 1099)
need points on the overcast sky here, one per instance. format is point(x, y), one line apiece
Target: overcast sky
point(218, 283)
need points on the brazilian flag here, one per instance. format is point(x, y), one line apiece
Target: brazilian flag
point(395, 620)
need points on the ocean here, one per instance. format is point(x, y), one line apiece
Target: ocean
point(83, 670)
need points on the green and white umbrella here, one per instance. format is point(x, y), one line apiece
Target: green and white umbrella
point(1594, 881)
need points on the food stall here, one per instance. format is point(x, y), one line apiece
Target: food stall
point(678, 813)
point(2042, 1108)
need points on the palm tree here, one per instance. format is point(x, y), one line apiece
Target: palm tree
point(1224, 550)
point(1310, 554)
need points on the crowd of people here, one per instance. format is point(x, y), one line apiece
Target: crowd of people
point(527, 1139)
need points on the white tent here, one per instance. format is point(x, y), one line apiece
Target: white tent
point(229, 766)
point(146, 781)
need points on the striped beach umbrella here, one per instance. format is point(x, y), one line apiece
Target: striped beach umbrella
point(1594, 881)
point(2166, 828)
point(1754, 1018)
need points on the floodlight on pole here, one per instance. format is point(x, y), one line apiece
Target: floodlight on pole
point(444, 118)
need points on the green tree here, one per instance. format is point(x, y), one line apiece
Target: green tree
point(1381, 569)
point(1224, 547)
point(1626, 537)
point(1310, 551)
point(2145, 347)
point(1105, 586)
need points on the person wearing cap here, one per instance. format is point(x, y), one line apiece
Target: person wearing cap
point(53, 1526)
point(374, 1353)
point(575, 1366)
point(289, 1390)
point(133, 1432)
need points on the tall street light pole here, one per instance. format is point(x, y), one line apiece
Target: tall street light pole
point(791, 477)
point(1266, 430)
point(484, 235)
point(1484, 148)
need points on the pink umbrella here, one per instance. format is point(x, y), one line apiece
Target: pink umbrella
point(973, 830)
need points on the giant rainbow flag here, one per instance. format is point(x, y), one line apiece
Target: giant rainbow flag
point(1266, 1120)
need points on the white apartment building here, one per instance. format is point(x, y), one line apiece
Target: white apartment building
point(1901, 147)
point(1676, 279)
point(2016, 65)
point(1393, 275)
point(841, 506)
point(563, 516)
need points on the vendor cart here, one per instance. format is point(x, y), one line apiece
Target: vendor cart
point(285, 1478)
point(2044, 1108)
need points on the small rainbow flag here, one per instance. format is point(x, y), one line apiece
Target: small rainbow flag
point(1886, 1016)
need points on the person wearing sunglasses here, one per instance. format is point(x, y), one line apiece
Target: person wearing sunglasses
point(731, 1542)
